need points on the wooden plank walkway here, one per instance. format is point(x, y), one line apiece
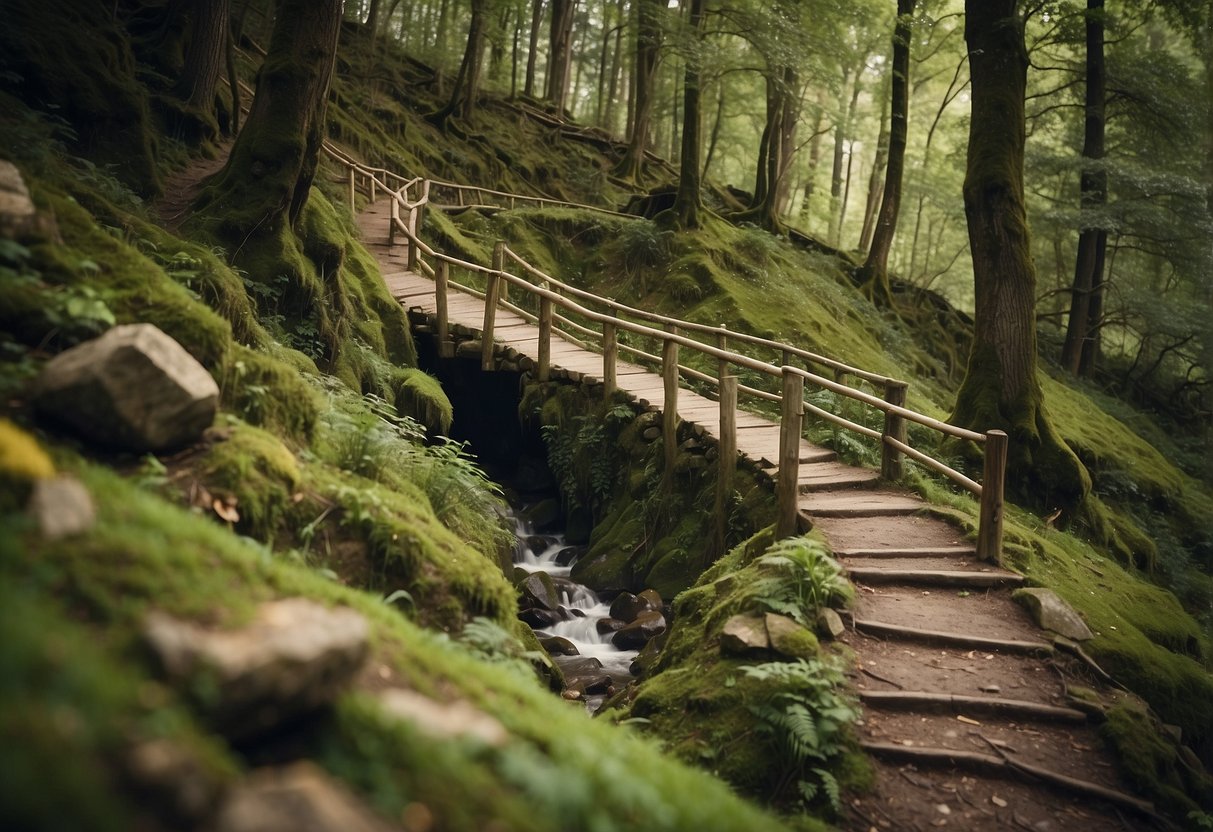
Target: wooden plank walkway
point(820, 477)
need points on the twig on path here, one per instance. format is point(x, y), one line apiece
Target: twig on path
point(880, 678)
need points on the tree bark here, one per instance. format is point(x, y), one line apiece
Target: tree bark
point(616, 62)
point(648, 48)
point(467, 82)
point(528, 85)
point(1081, 347)
point(204, 57)
point(560, 52)
point(268, 175)
point(1000, 388)
point(875, 270)
point(688, 202)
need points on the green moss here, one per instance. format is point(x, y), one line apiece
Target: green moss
point(256, 469)
point(1156, 764)
point(421, 396)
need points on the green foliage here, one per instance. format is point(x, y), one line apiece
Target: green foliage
point(807, 718)
point(805, 580)
point(584, 457)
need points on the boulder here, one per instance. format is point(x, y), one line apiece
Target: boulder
point(569, 554)
point(134, 389)
point(443, 720)
point(175, 781)
point(295, 656)
point(539, 619)
point(789, 638)
point(652, 598)
point(540, 543)
point(559, 646)
point(648, 624)
point(538, 592)
point(829, 623)
point(544, 514)
point(19, 218)
point(744, 635)
point(627, 606)
point(584, 674)
point(298, 798)
point(609, 625)
point(61, 507)
point(648, 655)
point(1051, 613)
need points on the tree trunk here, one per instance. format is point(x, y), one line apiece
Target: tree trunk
point(644, 74)
point(688, 203)
point(715, 138)
point(814, 160)
point(613, 88)
point(268, 175)
point(560, 52)
point(875, 270)
point(1081, 346)
point(528, 86)
point(463, 94)
point(1000, 388)
point(836, 170)
point(875, 178)
point(792, 105)
point(604, 55)
point(204, 57)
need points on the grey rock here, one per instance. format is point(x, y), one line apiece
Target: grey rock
point(1051, 613)
point(19, 217)
point(648, 624)
point(295, 656)
point(539, 619)
point(173, 781)
point(744, 635)
point(298, 798)
point(829, 623)
point(62, 507)
point(444, 720)
point(559, 646)
point(609, 625)
point(538, 592)
point(134, 388)
point(627, 606)
point(569, 555)
point(651, 433)
point(652, 598)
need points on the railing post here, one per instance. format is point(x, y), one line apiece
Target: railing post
point(894, 427)
point(353, 193)
point(371, 181)
point(545, 338)
point(499, 265)
point(726, 461)
point(610, 352)
point(989, 532)
point(722, 343)
point(393, 217)
point(787, 489)
point(490, 317)
point(414, 224)
point(669, 409)
point(445, 347)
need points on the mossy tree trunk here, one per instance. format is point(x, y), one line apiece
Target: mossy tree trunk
point(874, 274)
point(1081, 347)
point(781, 114)
point(560, 52)
point(644, 74)
point(532, 55)
point(1000, 388)
point(267, 178)
point(688, 202)
point(204, 55)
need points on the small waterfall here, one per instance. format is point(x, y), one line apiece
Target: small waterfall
point(581, 608)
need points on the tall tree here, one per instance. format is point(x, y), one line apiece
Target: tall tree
point(874, 274)
point(1081, 347)
point(649, 36)
point(269, 173)
point(1001, 388)
point(204, 56)
point(532, 55)
point(688, 203)
point(463, 95)
point(560, 52)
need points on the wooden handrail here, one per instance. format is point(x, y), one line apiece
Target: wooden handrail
point(541, 200)
point(410, 198)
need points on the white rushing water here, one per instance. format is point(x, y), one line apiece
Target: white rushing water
point(584, 606)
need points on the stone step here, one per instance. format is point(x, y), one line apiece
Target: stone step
point(860, 504)
point(934, 577)
point(829, 476)
point(965, 640)
point(909, 552)
point(930, 701)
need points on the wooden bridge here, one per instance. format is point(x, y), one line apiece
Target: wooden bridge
point(552, 328)
point(913, 635)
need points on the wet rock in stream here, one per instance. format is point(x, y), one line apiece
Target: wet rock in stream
point(633, 636)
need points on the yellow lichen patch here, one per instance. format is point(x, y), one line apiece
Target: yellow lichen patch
point(21, 458)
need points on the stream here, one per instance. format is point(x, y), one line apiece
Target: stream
point(577, 617)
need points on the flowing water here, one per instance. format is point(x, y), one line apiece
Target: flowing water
point(581, 606)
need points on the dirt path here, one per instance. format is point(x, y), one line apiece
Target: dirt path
point(182, 187)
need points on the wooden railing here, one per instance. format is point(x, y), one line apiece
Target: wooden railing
point(556, 307)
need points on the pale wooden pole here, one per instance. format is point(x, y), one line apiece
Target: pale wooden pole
point(610, 354)
point(989, 532)
point(726, 462)
point(445, 347)
point(545, 338)
point(894, 427)
point(353, 193)
point(499, 265)
point(490, 318)
point(787, 490)
point(669, 413)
